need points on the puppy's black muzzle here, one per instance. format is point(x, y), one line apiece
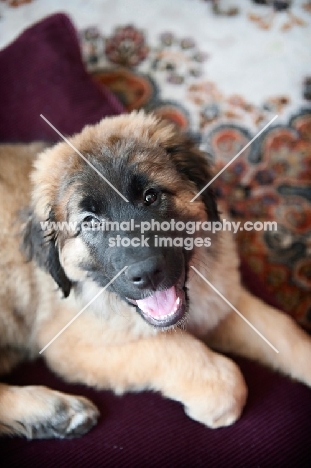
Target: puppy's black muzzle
point(147, 274)
point(149, 269)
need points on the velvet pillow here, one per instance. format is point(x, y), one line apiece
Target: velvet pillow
point(41, 72)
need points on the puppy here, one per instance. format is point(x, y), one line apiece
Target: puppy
point(133, 313)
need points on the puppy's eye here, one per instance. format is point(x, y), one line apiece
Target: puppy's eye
point(150, 196)
point(91, 222)
point(90, 219)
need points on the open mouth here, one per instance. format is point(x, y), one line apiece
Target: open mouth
point(163, 308)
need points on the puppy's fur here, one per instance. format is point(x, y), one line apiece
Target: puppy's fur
point(111, 344)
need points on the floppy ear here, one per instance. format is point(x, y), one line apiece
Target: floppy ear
point(193, 164)
point(40, 246)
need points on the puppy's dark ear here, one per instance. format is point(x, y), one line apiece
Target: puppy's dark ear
point(193, 165)
point(40, 245)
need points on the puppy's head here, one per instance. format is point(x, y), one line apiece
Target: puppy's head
point(115, 204)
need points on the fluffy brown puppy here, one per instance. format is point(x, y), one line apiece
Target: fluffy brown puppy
point(145, 329)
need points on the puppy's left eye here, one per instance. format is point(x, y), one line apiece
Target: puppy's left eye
point(151, 196)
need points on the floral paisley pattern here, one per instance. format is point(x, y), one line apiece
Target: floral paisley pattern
point(271, 181)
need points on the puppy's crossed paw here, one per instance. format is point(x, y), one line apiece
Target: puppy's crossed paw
point(221, 404)
point(220, 416)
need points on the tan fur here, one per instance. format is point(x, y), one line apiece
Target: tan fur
point(96, 345)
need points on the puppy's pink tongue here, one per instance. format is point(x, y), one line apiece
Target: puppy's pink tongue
point(159, 305)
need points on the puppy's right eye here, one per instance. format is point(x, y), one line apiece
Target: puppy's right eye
point(90, 219)
point(91, 222)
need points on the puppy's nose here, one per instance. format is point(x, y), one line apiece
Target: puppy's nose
point(146, 273)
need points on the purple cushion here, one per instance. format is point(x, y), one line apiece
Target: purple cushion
point(41, 72)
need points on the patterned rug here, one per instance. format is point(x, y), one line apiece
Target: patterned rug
point(270, 181)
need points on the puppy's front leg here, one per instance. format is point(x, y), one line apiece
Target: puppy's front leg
point(38, 412)
point(182, 368)
point(293, 344)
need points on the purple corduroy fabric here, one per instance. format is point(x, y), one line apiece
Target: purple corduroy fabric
point(146, 430)
point(42, 72)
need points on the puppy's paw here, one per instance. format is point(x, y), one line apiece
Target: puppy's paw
point(222, 401)
point(52, 414)
point(72, 417)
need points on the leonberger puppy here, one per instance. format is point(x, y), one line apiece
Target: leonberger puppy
point(133, 312)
